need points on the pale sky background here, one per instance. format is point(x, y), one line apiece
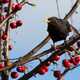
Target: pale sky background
point(34, 30)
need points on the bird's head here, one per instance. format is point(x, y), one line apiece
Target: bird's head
point(50, 19)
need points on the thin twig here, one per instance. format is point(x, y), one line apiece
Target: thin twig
point(27, 57)
point(72, 10)
point(67, 70)
point(11, 14)
point(34, 71)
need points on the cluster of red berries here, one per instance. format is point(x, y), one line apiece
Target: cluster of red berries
point(15, 74)
point(44, 67)
point(21, 69)
point(4, 10)
point(75, 60)
point(67, 64)
point(16, 7)
point(15, 24)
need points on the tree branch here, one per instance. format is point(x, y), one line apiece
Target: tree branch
point(67, 70)
point(13, 13)
point(28, 55)
point(73, 40)
point(35, 70)
point(72, 10)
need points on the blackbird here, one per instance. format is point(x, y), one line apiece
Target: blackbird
point(59, 29)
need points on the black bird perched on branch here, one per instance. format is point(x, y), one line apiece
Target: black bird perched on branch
point(59, 29)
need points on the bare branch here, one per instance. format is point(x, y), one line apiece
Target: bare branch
point(27, 57)
point(35, 70)
point(40, 55)
point(72, 10)
point(13, 13)
point(67, 70)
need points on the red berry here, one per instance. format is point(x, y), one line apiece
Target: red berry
point(4, 1)
point(66, 63)
point(1, 66)
point(55, 58)
point(57, 74)
point(13, 25)
point(2, 18)
point(18, 22)
point(16, 7)
point(10, 47)
point(13, 7)
point(77, 59)
point(14, 74)
point(4, 36)
point(71, 48)
point(21, 68)
point(72, 60)
point(43, 69)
